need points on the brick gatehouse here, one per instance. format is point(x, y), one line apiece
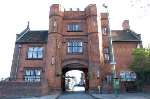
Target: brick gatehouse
point(76, 40)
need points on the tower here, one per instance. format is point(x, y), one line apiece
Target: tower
point(94, 46)
point(53, 54)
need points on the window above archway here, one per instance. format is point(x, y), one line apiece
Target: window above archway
point(75, 46)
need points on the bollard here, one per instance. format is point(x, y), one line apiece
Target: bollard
point(99, 89)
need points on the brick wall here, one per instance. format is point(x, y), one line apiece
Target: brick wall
point(146, 88)
point(24, 62)
point(123, 54)
point(16, 89)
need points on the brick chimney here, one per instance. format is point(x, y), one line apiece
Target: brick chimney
point(125, 25)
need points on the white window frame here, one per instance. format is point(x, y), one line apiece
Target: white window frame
point(74, 27)
point(35, 53)
point(32, 75)
point(127, 75)
point(74, 46)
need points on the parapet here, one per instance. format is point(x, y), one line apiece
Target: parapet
point(56, 9)
point(91, 10)
point(104, 15)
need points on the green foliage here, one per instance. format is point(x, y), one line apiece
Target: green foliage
point(141, 60)
point(141, 65)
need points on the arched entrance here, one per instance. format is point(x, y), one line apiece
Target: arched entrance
point(74, 81)
point(69, 79)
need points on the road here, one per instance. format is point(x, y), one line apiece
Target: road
point(75, 95)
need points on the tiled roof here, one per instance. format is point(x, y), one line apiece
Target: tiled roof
point(40, 36)
point(125, 35)
point(33, 37)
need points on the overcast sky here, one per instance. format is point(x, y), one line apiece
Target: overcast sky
point(14, 15)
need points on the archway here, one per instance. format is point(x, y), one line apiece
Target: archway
point(74, 81)
point(75, 78)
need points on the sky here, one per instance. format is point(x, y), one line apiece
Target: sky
point(14, 15)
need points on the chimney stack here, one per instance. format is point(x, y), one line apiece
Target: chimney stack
point(125, 25)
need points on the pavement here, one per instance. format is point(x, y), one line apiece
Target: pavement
point(75, 95)
point(83, 95)
point(123, 96)
point(43, 97)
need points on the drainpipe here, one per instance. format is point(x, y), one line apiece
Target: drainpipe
point(112, 62)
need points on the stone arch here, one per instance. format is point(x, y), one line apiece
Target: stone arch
point(75, 61)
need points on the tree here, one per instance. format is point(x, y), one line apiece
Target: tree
point(141, 65)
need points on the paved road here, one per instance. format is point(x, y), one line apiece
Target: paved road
point(75, 95)
point(123, 96)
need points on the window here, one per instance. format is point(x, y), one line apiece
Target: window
point(106, 55)
point(104, 30)
point(109, 79)
point(106, 50)
point(74, 27)
point(75, 46)
point(35, 52)
point(32, 75)
point(127, 76)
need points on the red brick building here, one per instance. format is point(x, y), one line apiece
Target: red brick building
point(76, 40)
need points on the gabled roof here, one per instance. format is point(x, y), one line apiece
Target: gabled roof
point(29, 36)
point(40, 36)
point(125, 35)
